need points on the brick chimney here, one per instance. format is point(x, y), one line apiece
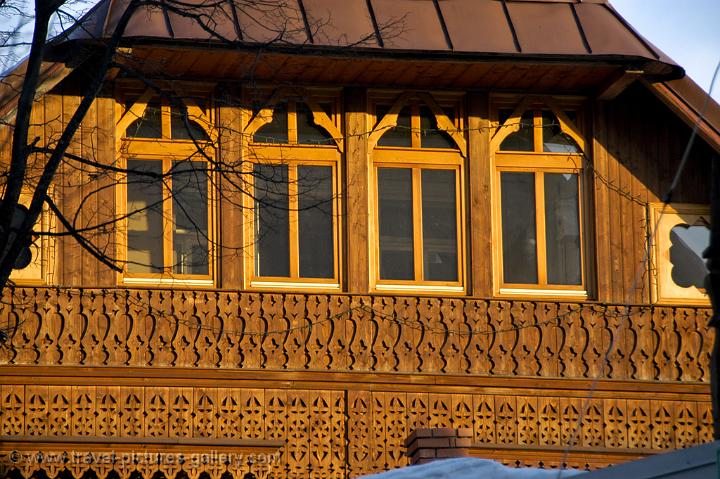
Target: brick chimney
point(428, 444)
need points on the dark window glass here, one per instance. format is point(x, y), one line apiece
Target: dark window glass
point(181, 131)
point(522, 140)
point(308, 132)
point(315, 222)
point(190, 217)
point(272, 221)
point(395, 204)
point(277, 130)
point(396, 136)
point(145, 217)
point(554, 140)
point(149, 125)
point(518, 228)
point(439, 224)
point(686, 249)
point(431, 136)
point(562, 229)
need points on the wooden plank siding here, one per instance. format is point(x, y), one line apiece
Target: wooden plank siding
point(339, 379)
point(638, 146)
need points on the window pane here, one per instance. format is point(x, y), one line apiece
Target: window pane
point(145, 218)
point(315, 222)
point(522, 140)
point(308, 132)
point(277, 130)
point(686, 249)
point(395, 204)
point(554, 139)
point(180, 131)
point(396, 136)
point(562, 229)
point(272, 221)
point(439, 223)
point(430, 136)
point(190, 218)
point(518, 228)
point(149, 126)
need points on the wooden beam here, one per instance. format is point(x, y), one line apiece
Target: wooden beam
point(617, 84)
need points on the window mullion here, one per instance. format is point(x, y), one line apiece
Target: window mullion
point(540, 227)
point(168, 223)
point(415, 125)
point(293, 223)
point(538, 131)
point(417, 224)
point(165, 120)
point(292, 122)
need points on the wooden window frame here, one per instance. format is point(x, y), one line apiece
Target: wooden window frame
point(43, 249)
point(539, 163)
point(417, 159)
point(166, 150)
point(293, 154)
point(663, 218)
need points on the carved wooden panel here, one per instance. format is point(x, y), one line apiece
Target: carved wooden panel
point(318, 427)
point(211, 330)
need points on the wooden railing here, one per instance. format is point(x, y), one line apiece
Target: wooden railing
point(340, 380)
point(202, 329)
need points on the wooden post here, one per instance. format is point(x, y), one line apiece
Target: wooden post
point(356, 197)
point(712, 283)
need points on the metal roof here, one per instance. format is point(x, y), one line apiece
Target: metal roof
point(526, 28)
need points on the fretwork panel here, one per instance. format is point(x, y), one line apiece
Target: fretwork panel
point(318, 427)
point(211, 330)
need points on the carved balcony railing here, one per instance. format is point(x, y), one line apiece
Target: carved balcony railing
point(340, 380)
point(230, 330)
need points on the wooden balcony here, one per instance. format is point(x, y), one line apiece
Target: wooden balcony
point(341, 379)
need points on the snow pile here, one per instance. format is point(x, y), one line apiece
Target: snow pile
point(471, 468)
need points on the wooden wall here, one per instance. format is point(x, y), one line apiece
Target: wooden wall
point(636, 146)
point(340, 380)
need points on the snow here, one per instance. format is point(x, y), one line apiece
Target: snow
point(471, 468)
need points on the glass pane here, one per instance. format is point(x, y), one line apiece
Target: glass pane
point(518, 228)
point(308, 132)
point(439, 223)
point(315, 222)
point(145, 218)
point(395, 204)
point(272, 221)
point(277, 130)
point(562, 229)
point(431, 137)
point(554, 139)
point(149, 126)
point(523, 139)
point(396, 136)
point(180, 131)
point(686, 249)
point(190, 218)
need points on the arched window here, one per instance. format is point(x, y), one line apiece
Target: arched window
point(538, 158)
point(166, 200)
point(418, 156)
point(294, 143)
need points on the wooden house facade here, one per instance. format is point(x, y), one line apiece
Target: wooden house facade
point(338, 222)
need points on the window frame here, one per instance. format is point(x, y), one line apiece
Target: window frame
point(293, 155)
point(417, 158)
point(165, 150)
point(41, 269)
point(539, 163)
point(664, 218)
